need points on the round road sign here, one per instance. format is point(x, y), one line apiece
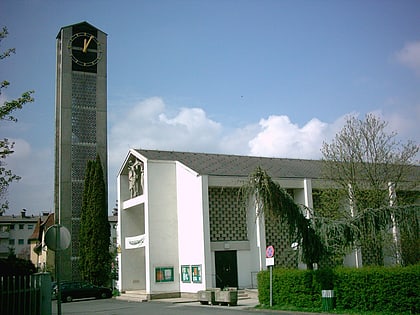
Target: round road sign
point(51, 237)
point(269, 253)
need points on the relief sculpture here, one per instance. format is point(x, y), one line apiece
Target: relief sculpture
point(135, 178)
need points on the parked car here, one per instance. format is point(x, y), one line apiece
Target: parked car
point(81, 290)
point(54, 288)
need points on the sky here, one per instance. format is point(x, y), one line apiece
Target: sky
point(271, 78)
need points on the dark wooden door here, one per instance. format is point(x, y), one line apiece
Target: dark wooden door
point(226, 269)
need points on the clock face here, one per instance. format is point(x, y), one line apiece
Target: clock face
point(85, 49)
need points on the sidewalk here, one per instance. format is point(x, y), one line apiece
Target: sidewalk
point(247, 303)
point(243, 304)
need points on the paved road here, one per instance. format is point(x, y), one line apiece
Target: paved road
point(162, 307)
point(118, 307)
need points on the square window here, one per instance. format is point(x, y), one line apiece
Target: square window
point(11, 242)
point(21, 241)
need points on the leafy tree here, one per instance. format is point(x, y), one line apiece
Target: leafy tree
point(274, 201)
point(365, 163)
point(6, 146)
point(94, 235)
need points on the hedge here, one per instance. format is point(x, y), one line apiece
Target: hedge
point(13, 266)
point(377, 289)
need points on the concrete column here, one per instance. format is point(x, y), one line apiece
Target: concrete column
point(45, 296)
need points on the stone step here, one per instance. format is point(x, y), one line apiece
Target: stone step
point(252, 293)
point(141, 296)
point(133, 296)
point(242, 295)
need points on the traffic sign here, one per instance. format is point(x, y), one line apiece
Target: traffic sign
point(57, 242)
point(269, 252)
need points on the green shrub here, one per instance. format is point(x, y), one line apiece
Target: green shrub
point(380, 289)
point(290, 287)
point(377, 289)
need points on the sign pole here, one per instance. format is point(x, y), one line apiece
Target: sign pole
point(58, 270)
point(271, 286)
point(269, 261)
point(57, 238)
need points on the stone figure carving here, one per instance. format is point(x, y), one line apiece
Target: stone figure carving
point(135, 178)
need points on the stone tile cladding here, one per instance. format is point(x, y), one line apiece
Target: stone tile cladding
point(277, 235)
point(228, 222)
point(227, 216)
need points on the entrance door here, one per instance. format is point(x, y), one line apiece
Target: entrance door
point(226, 269)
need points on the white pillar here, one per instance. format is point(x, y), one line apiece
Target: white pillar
point(307, 190)
point(353, 213)
point(258, 210)
point(395, 233)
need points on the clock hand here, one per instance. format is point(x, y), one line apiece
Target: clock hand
point(86, 43)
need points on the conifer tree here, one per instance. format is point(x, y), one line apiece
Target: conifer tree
point(85, 222)
point(94, 236)
point(274, 202)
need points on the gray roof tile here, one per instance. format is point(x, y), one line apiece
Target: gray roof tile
point(236, 165)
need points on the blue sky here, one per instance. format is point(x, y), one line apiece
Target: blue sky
point(261, 77)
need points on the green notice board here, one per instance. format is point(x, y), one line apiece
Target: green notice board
point(164, 274)
point(196, 273)
point(185, 273)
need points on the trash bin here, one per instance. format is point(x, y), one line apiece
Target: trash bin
point(327, 300)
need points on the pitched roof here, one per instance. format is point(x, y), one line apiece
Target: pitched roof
point(42, 226)
point(237, 165)
point(83, 24)
point(35, 235)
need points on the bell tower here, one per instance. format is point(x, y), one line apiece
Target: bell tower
point(80, 126)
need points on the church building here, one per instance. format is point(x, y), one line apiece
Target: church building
point(182, 227)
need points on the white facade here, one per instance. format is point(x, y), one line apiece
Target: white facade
point(16, 232)
point(165, 233)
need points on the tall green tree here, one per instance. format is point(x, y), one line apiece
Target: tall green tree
point(86, 220)
point(364, 161)
point(274, 202)
point(94, 235)
point(6, 146)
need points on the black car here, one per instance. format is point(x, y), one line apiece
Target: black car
point(81, 290)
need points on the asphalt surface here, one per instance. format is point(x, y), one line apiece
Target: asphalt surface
point(161, 307)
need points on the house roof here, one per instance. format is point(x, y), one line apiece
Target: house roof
point(35, 235)
point(42, 226)
point(18, 219)
point(237, 165)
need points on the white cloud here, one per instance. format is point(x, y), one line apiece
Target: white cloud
point(148, 125)
point(237, 141)
point(409, 56)
point(279, 137)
